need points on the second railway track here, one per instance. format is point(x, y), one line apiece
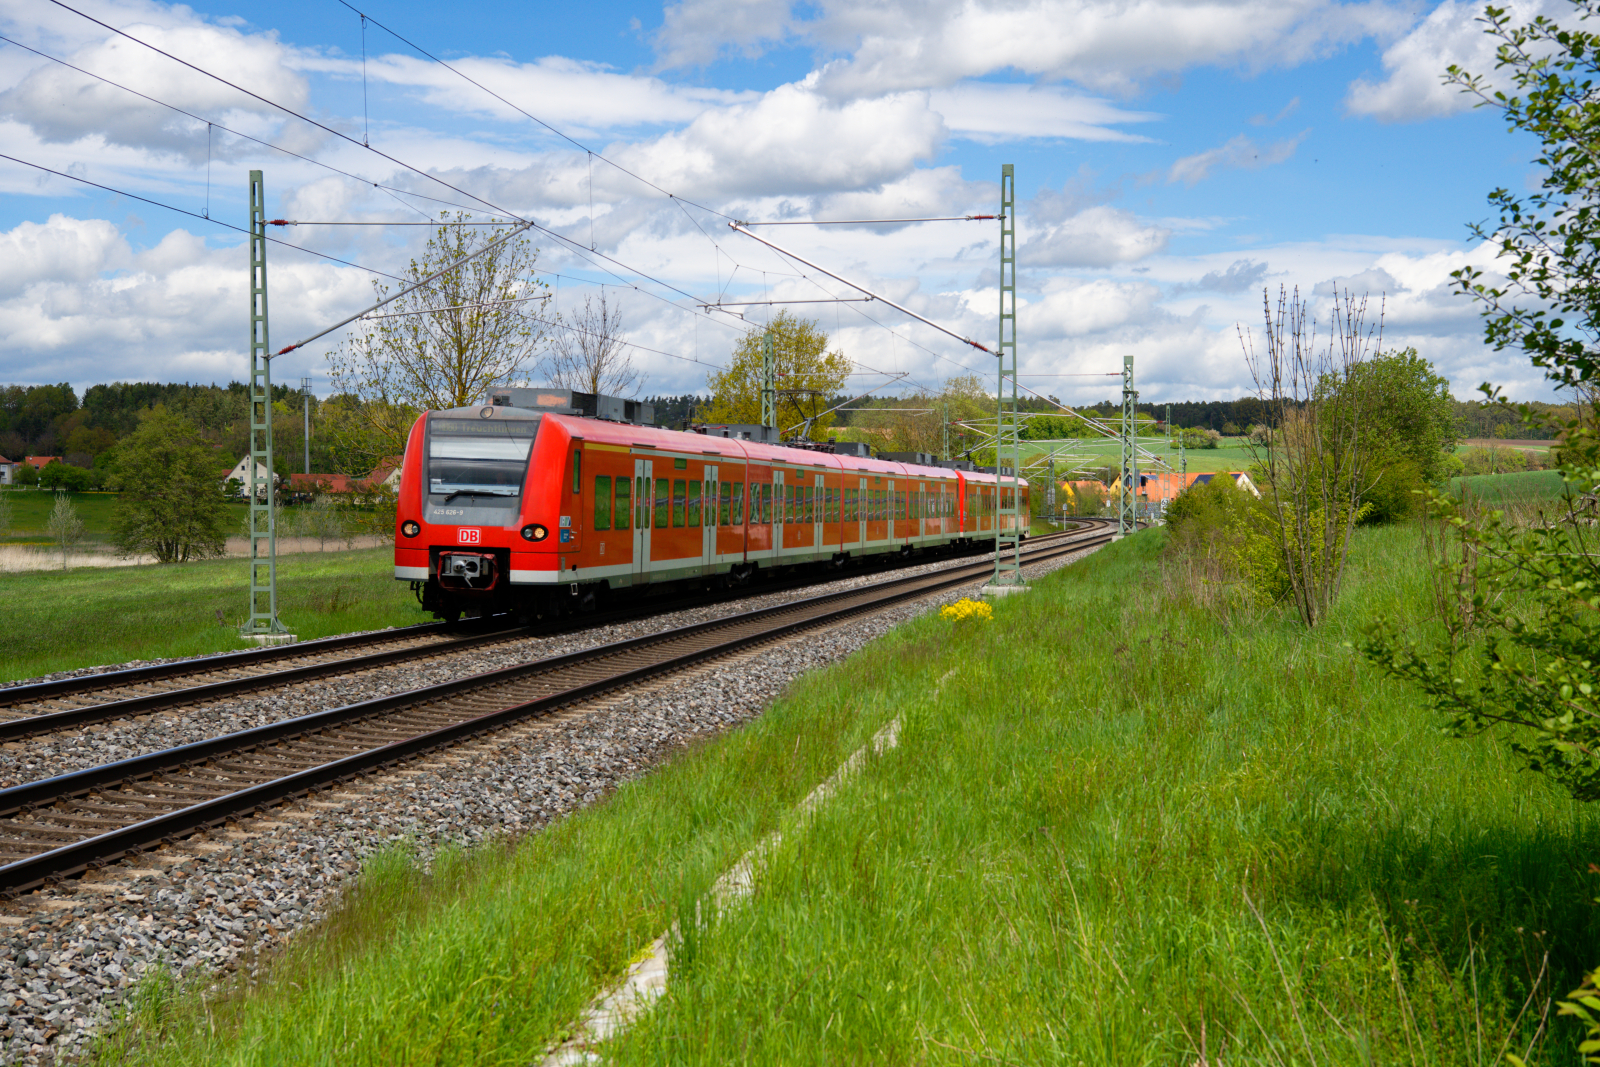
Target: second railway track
point(61, 826)
point(39, 708)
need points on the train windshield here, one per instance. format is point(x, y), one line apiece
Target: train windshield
point(477, 461)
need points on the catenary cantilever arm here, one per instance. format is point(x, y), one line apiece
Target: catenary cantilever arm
point(403, 292)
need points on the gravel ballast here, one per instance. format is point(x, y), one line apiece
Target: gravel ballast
point(203, 906)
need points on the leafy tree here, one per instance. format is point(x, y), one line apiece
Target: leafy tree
point(1406, 429)
point(1521, 603)
point(170, 506)
point(27, 475)
point(802, 361)
point(63, 476)
point(446, 344)
point(64, 526)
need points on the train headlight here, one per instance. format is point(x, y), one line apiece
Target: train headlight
point(534, 532)
point(410, 528)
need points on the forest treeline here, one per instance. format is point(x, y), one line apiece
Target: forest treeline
point(53, 420)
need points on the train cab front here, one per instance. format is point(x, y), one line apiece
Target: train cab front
point(459, 508)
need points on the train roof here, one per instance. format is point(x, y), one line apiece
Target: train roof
point(680, 441)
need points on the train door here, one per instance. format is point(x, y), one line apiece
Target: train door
point(777, 515)
point(708, 522)
point(643, 471)
point(818, 513)
point(861, 511)
point(888, 507)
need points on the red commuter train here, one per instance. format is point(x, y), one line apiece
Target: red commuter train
point(544, 501)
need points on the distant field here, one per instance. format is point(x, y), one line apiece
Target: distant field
point(30, 511)
point(62, 620)
point(1232, 456)
point(1511, 488)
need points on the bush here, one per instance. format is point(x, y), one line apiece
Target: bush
point(1200, 438)
point(1395, 496)
point(1225, 540)
point(1493, 460)
point(59, 477)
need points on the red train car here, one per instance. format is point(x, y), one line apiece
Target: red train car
point(536, 503)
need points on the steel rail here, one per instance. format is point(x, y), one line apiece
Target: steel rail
point(23, 727)
point(128, 840)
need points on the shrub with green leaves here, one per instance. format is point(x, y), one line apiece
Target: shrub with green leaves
point(1227, 538)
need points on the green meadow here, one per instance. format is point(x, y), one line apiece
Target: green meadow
point(86, 616)
point(1118, 828)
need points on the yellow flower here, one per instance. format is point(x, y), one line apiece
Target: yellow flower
point(965, 608)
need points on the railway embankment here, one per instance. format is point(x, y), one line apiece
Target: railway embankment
point(205, 907)
point(1117, 827)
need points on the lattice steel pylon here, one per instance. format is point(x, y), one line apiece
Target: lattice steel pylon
point(1009, 520)
point(263, 526)
point(1128, 502)
point(769, 383)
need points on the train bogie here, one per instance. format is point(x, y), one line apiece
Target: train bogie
point(506, 508)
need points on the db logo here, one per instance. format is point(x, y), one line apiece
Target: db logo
point(468, 537)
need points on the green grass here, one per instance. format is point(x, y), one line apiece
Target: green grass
point(1118, 830)
point(1517, 487)
point(1233, 455)
point(61, 620)
point(30, 511)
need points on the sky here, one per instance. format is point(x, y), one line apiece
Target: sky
point(1173, 159)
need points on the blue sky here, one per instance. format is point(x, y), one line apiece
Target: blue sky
point(1173, 158)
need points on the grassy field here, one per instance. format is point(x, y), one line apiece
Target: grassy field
point(1517, 487)
point(1234, 454)
point(30, 511)
point(61, 620)
point(1118, 829)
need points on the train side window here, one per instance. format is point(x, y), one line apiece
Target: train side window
point(680, 489)
point(624, 502)
point(641, 502)
point(725, 512)
point(766, 504)
point(844, 505)
point(738, 503)
point(577, 471)
point(602, 502)
point(663, 502)
point(811, 501)
point(694, 505)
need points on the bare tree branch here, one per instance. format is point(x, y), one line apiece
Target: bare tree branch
point(587, 353)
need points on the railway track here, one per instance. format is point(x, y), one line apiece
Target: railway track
point(28, 711)
point(61, 826)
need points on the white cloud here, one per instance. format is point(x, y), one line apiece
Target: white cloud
point(792, 140)
point(78, 304)
point(1095, 237)
point(1081, 308)
point(1240, 275)
point(1239, 153)
point(61, 250)
point(1373, 282)
point(574, 96)
point(902, 44)
point(991, 114)
point(63, 106)
point(1413, 87)
point(697, 32)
